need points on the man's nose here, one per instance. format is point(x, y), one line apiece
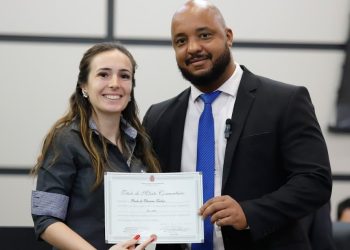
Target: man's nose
point(193, 46)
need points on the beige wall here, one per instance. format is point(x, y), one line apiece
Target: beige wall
point(37, 78)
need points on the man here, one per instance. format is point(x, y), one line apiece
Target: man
point(341, 228)
point(343, 211)
point(271, 161)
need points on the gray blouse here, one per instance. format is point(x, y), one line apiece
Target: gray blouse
point(64, 185)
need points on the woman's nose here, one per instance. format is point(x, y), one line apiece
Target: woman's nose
point(114, 83)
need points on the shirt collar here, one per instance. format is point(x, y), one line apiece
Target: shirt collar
point(125, 127)
point(128, 129)
point(230, 87)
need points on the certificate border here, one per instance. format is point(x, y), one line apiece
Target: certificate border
point(198, 195)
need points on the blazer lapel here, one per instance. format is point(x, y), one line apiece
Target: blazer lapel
point(176, 116)
point(244, 100)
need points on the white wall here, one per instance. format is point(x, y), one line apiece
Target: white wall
point(38, 78)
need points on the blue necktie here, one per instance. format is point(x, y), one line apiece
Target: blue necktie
point(206, 162)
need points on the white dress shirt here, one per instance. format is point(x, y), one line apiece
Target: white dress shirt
point(222, 110)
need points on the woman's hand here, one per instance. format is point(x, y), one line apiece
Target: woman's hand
point(131, 244)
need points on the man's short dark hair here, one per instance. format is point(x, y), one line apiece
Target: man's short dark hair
point(342, 206)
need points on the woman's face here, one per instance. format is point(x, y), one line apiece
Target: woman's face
point(109, 83)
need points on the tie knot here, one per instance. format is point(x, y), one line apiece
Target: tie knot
point(208, 98)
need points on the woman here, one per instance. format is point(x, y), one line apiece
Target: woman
point(100, 132)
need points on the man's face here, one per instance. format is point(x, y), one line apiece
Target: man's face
point(202, 46)
point(345, 216)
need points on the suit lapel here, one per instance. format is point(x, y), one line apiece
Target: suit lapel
point(244, 100)
point(176, 116)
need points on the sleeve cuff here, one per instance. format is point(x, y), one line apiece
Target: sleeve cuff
point(49, 204)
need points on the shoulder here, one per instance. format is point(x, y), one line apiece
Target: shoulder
point(68, 131)
point(156, 110)
point(183, 96)
point(67, 136)
point(269, 88)
point(65, 145)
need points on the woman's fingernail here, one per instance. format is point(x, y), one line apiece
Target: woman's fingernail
point(137, 236)
point(154, 237)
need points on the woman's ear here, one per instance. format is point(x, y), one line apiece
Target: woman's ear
point(84, 93)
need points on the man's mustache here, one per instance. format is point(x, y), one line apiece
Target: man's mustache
point(197, 57)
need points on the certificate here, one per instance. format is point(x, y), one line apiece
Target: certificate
point(165, 204)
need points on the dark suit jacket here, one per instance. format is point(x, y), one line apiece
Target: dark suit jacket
point(318, 226)
point(276, 161)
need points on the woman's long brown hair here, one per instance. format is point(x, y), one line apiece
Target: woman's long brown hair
point(80, 109)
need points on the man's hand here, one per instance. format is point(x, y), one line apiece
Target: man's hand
point(224, 211)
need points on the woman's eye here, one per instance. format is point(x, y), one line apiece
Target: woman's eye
point(126, 76)
point(103, 74)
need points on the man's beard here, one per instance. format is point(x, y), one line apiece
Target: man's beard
point(206, 79)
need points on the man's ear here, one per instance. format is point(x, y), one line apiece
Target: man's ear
point(229, 36)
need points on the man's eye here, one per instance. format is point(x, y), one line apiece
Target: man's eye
point(180, 41)
point(205, 35)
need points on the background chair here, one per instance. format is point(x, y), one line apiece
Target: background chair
point(20, 238)
point(341, 235)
